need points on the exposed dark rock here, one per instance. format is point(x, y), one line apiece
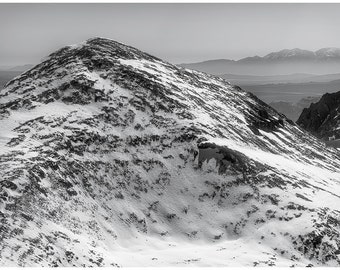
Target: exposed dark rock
point(322, 118)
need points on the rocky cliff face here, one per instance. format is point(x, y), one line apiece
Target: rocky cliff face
point(322, 118)
point(110, 156)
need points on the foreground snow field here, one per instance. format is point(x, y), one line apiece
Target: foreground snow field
point(110, 156)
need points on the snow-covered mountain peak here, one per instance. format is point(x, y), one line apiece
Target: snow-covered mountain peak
point(328, 53)
point(299, 54)
point(108, 153)
point(286, 54)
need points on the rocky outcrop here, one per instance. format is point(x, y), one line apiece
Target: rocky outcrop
point(322, 118)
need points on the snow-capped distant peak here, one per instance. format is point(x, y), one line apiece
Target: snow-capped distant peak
point(297, 53)
point(328, 52)
point(289, 54)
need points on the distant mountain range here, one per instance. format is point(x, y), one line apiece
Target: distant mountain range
point(6, 75)
point(16, 68)
point(279, 79)
point(298, 54)
point(9, 72)
point(323, 61)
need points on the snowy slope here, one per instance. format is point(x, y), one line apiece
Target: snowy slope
point(110, 156)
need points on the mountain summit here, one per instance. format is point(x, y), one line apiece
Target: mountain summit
point(110, 156)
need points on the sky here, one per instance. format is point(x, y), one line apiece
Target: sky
point(178, 33)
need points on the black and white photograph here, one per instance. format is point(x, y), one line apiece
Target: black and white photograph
point(175, 134)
